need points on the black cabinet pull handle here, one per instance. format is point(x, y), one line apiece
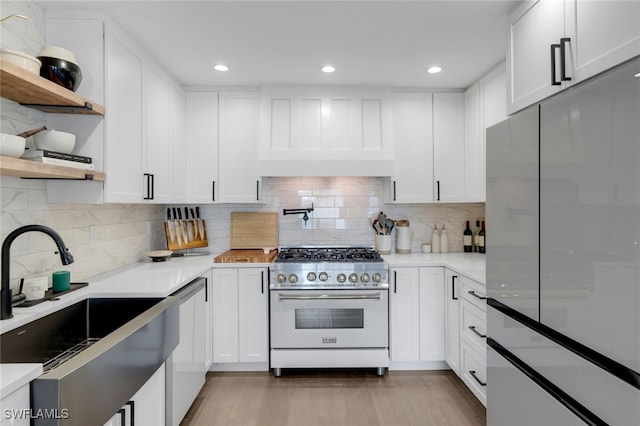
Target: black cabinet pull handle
point(473, 328)
point(554, 82)
point(213, 190)
point(132, 413)
point(480, 382)
point(153, 185)
point(563, 59)
point(123, 416)
point(438, 185)
point(206, 289)
point(395, 281)
point(394, 190)
point(257, 190)
point(453, 287)
point(473, 293)
point(262, 282)
point(148, 178)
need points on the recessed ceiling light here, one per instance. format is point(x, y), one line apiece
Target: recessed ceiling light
point(221, 67)
point(637, 75)
point(434, 70)
point(328, 68)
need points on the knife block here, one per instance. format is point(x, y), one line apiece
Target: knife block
point(196, 242)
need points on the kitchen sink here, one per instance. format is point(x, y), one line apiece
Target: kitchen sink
point(95, 353)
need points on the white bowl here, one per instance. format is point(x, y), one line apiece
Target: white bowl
point(21, 59)
point(159, 255)
point(58, 52)
point(11, 145)
point(53, 140)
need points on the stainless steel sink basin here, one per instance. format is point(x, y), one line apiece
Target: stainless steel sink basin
point(96, 353)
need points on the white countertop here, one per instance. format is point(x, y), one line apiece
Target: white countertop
point(161, 279)
point(471, 265)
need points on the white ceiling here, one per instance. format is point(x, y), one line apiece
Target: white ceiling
point(389, 43)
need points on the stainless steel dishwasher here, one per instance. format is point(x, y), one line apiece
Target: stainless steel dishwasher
point(185, 368)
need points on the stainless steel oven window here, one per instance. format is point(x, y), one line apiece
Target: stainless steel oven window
point(307, 319)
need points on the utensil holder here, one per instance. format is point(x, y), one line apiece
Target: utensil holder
point(383, 244)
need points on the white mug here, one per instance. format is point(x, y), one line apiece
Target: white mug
point(35, 288)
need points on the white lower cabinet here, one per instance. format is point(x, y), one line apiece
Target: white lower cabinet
point(473, 337)
point(416, 318)
point(240, 318)
point(473, 371)
point(146, 407)
point(15, 407)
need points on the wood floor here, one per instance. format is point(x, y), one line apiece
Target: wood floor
point(334, 398)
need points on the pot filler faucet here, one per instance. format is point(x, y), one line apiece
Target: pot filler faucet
point(6, 309)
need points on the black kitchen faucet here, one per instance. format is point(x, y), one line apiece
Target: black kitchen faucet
point(6, 308)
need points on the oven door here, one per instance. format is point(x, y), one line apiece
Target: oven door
point(329, 318)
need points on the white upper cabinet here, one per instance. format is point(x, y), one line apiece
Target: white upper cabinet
point(412, 180)
point(485, 105)
point(325, 131)
point(239, 117)
point(448, 147)
point(202, 147)
point(554, 44)
point(134, 144)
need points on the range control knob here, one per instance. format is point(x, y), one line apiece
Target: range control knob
point(323, 276)
point(353, 278)
point(293, 278)
point(281, 278)
point(311, 276)
point(364, 278)
point(341, 278)
point(377, 277)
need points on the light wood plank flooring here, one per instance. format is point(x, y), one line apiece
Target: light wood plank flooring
point(334, 398)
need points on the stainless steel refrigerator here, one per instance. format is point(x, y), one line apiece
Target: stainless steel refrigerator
point(563, 258)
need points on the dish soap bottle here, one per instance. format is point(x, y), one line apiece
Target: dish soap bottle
point(444, 241)
point(435, 240)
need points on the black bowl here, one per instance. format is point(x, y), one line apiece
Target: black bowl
point(65, 73)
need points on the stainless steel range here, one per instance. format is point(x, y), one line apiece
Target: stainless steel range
point(329, 309)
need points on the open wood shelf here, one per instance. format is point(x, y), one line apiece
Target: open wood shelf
point(17, 167)
point(33, 91)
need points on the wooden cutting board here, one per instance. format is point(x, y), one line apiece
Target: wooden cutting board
point(246, 256)
point(254, 230)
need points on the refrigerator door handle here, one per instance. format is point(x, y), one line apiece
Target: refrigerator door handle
point(561, 396)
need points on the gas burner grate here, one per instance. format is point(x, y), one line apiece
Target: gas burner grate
point(327, 254)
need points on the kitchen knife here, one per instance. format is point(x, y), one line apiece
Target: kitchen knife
point(171, 226)
point(177, 227)
point(194, 222)
point(188, 224)
point(200, 223)
point(183, 227)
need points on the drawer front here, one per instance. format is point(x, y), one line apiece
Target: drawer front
point(473, 326)
point(473, 369)
point(474, 292)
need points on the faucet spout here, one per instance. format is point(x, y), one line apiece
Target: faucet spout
point(6, 309)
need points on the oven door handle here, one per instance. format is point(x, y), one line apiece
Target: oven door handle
point(375, 296)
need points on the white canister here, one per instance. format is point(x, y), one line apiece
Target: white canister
point(404, 235)
point(35, 288)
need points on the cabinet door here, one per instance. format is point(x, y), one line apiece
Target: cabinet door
point(15, 407)
point(123, 147)
point(473, 144)
point(412, 180)
point(432, 314)
point(253, 316)
point(179, 146)
point(533, 28)
point(202, 147)
point(448, 147)
point(209, 322)
point(239, 131)
point(603, 34)
point(452, 320)
point(150, 401)
point(157, 151)
point(404, 315)
point(225, 315)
